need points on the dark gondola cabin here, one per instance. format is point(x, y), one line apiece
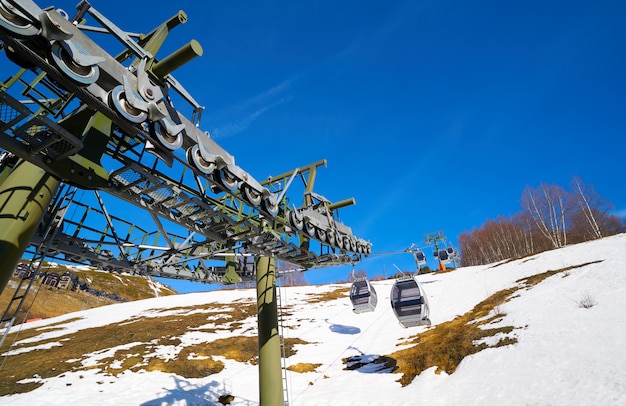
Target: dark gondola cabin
point(363, 296)
point(420, 258)
point(444, 258)
point(452, 253)
point(409, 303)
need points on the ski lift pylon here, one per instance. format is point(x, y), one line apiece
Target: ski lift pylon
point(409, 302)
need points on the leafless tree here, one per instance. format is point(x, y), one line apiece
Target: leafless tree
point(551, 217)
point(289, 277)
point(294, 279)
point(496, 240)
point(353, 276)
point(586, 197)
point(548, 206)
point(592, 219)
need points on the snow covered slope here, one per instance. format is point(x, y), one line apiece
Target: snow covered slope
point(565, 354)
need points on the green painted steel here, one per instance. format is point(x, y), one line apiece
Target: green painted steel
point(101, 145)
point(84, 169)
point(24, 196)
point(177, 59)
point(340, 204)
point(231, 276)
point(7, 163)
point(153, 41)
point(270, 370)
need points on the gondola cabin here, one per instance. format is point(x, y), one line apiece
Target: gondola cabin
point(363, 296)
point(452, 253)
point(444, 258)
point(420, 258)
point(409, 303)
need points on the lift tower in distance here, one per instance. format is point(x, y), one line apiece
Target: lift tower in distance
point(75, 116)
point(434, 239)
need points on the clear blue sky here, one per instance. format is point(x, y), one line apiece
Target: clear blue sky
point(433, 115)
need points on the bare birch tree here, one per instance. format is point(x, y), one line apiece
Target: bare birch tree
point(548, 205)
point(587, 202)
point(551, 218)
point(496, 240)
point(360, 274)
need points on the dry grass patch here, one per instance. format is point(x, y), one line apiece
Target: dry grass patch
point(289, 344)
point(587, 302)
point(144, 334)
point(338, 293)
point(188, 364)
point(303, 367)
point(241, 349)
point(445, 345)
point(128, 287)
point(27, 333)
point(535, 279)
point(52, 302)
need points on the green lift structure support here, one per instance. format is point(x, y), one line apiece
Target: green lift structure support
point(270, 375)
point(75, 115)
point(434, 239)
point(25, 195)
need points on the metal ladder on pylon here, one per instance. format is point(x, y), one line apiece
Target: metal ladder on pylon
point(283, 348)
point(65, 196)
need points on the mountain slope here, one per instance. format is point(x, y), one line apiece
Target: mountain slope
point(563, 345)
point(91, 288)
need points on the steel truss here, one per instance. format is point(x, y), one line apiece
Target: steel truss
point(103, 122)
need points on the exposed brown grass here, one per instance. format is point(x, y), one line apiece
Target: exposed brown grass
point(140, 337)
point(129, 287)
point(242, 348)
point(445, 345)
point(535, 279)
point(338, 293)
point(52, 302)
point(304, 367)
point(289, 344)
point(587, 302)
point(146, 333)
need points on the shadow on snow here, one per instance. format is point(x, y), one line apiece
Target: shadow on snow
point(342, 329)
point(370, 363)
point(191, 394)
